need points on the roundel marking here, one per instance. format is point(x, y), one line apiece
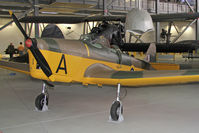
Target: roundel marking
point(132, 69)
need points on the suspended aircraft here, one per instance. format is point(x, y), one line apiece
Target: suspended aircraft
point(115, 37)
point(73, 19)
point(91, 62)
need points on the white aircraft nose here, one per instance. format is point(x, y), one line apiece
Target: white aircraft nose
point(138, 21)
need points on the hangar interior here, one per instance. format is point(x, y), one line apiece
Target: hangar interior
point(77, 108)
point(87, 8)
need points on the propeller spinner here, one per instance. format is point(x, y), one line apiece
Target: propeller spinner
point(31, 43)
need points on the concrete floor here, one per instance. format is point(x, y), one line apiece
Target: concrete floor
point(76, 109)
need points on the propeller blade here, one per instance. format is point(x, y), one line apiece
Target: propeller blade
point(32, 45)
point(18, 24)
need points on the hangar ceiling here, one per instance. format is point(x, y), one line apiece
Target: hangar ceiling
point(55, 7)
point(79, 7)
point(18, 6)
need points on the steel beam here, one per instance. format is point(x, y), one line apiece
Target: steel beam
point(105, 9)
point(169, 33)
point(25, 28)
point(89, 26)
point(6, 25)
point(138, 4)
point(179, 35)
point(36, 13)
point(157, 33)
point(20, 16)
point(30, 29)
point(84, 28)
point(137, 37)
point(189, 5)
point(176, 28)
point(111, 3)
point(197, 22)
point(130, 36)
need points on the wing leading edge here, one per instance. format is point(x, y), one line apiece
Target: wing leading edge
point(101, 74)
point(80, 19)
point(15, 66)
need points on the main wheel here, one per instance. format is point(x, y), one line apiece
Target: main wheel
point(39, 101)
point(115, 110)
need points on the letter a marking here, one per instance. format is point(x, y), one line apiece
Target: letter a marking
point(62, 68)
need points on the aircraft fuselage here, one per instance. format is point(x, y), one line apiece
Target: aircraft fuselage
point(69, 59)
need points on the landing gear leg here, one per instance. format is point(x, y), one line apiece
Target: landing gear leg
point(41, 101)
point(116, 108)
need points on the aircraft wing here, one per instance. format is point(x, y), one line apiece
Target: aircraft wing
point(15, 66)
point(175, 17)
point(52, 19)
point(179, 47)
point(69, 19)
point(74, 19)
point(100, 74)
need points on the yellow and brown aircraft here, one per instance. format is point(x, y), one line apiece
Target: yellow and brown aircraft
point(81, 61)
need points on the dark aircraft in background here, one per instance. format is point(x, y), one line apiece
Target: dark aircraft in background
point(182, 46)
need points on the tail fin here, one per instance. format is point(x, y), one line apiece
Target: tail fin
point(151, 53)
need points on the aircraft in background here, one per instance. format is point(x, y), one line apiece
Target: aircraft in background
point(188, 46)
point(91, 62)
point(80, 19)
point(180, 47)
point(115, 33)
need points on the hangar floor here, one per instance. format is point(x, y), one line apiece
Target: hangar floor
point(75, 109)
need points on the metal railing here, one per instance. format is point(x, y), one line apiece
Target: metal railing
point(168, 7)
point(125, 5)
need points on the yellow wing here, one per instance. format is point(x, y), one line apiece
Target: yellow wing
point(15, 66)
point(101, 74)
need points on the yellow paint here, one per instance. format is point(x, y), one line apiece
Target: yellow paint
point(13, 69)
point(165, 66)
point(0, 56)
point(144, 81)
point(52, 78)
point(87, 49)
point(10, 12)
point(76, 67)
point(99, 85)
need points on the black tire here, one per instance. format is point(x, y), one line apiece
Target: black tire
point(39, 101)
point(115, 110)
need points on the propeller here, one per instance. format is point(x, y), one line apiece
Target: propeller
point(31, 43)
